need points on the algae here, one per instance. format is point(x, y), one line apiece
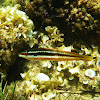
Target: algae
point(66, 25)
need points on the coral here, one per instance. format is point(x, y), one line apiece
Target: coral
point(16, 33)
point(90, 73)
point(52, 39)
point(42, 78)
point(48, 95)
point(74, 70)
point(52, 80)
point(6, 2)
point(76, 19)
point(74, 76)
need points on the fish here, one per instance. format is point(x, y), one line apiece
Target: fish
point(53, 55)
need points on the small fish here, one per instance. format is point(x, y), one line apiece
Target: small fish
point(53, 54)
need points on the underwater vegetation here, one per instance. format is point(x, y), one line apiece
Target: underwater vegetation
point(47, 79)
point(16, 29)
point(66, 25)
point(77, 19)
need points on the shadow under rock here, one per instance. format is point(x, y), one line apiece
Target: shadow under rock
point(18, 67)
